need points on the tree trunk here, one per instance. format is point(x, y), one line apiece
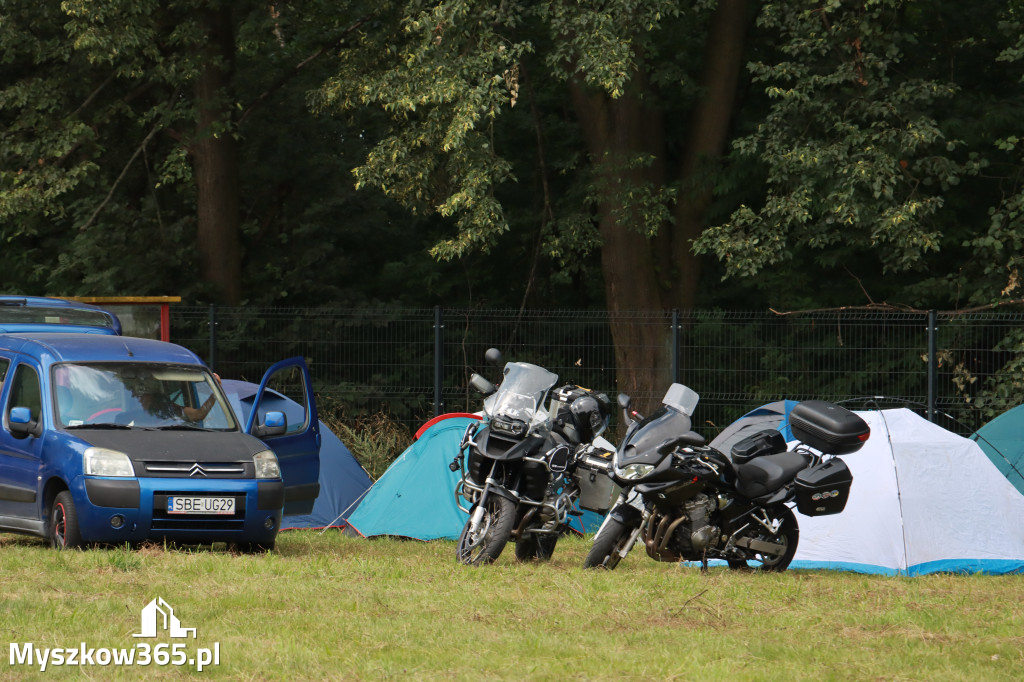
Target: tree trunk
point(707, 137)
point(215, 161)
point(616, 131)
point(641, 273)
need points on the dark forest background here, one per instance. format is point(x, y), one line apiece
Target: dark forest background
point(614, 155)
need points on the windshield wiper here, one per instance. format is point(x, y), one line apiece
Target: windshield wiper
point(179, 427)
point(104, 425)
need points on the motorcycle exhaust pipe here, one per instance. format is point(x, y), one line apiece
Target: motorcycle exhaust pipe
point(656, 539)
point(761, 546)
point(527, 518)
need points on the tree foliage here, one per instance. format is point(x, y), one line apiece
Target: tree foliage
point(101, 124)
point(877, 146)
point(541, 152)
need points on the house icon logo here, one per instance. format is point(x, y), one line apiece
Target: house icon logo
point(158, 615)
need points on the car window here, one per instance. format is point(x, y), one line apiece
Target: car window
point(138, 394)
point(25, 391)
point(291, 383)
point(4, 364)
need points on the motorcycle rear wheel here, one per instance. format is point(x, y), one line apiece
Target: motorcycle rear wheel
point(789, 535)
point(487, 543)
point(536, 546)
point(608, 544)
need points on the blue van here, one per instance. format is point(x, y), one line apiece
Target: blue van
point(114, 439)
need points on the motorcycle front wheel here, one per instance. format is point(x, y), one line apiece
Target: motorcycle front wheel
point(536, 546)
point(609, 543)
point(486, 544)
point(788, 535)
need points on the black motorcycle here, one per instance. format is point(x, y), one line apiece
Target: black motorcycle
point(689, 502)
point(518, 464)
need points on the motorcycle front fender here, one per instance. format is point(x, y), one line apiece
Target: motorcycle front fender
point(501, 492)
point(626, 514)
point(476, 512)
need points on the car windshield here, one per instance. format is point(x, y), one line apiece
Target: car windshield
point(520, 396)
point(139, 394)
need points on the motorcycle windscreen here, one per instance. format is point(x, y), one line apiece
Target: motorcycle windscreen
point(663, 424)
point(288, 388)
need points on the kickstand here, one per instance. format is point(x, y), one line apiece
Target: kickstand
point(704, 563)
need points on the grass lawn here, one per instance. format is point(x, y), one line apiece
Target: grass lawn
point(325, 606)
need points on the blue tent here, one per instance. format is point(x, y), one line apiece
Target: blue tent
point(1002, 440)
point(343, 482)
point(415, 498)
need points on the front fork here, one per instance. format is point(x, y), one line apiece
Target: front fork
point(633, 500)
point(478, 513)
point(632, 540)
point(476, 517)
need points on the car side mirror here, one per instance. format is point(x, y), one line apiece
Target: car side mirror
point(22, 425)
point(274, 424)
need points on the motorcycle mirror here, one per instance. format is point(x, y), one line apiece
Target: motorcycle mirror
point(624, 401)
point(493, 356)
point(481, 385)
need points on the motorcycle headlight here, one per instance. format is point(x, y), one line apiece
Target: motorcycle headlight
point(104, 462)
point(266, 465)
point(512, 427)
point(636, 471)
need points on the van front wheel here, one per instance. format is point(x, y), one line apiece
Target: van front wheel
point(63, 526)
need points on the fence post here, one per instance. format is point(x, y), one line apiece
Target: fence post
point(675, 345)
point(438, 359)
point(932, 363)
point(213, 337)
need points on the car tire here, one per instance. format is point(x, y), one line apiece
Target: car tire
point(62, 526)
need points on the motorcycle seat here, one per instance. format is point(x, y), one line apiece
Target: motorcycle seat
point(768, 473)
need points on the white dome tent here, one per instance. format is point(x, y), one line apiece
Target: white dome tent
point(923, 500)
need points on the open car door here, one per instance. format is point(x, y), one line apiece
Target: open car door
point(298, 448)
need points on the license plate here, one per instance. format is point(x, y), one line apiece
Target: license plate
point(200, 505)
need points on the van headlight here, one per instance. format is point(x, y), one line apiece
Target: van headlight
point(104, 462)
point(266, 465)
point(636, 471)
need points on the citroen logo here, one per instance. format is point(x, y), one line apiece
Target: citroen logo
point(196, 470)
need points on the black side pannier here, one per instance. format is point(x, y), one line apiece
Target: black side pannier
point(824, 488)
point(828, 428)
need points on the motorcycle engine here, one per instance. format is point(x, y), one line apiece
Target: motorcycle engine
point(697, 532)
point(555, 510)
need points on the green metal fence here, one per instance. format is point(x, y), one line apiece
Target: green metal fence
point(414, 363)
